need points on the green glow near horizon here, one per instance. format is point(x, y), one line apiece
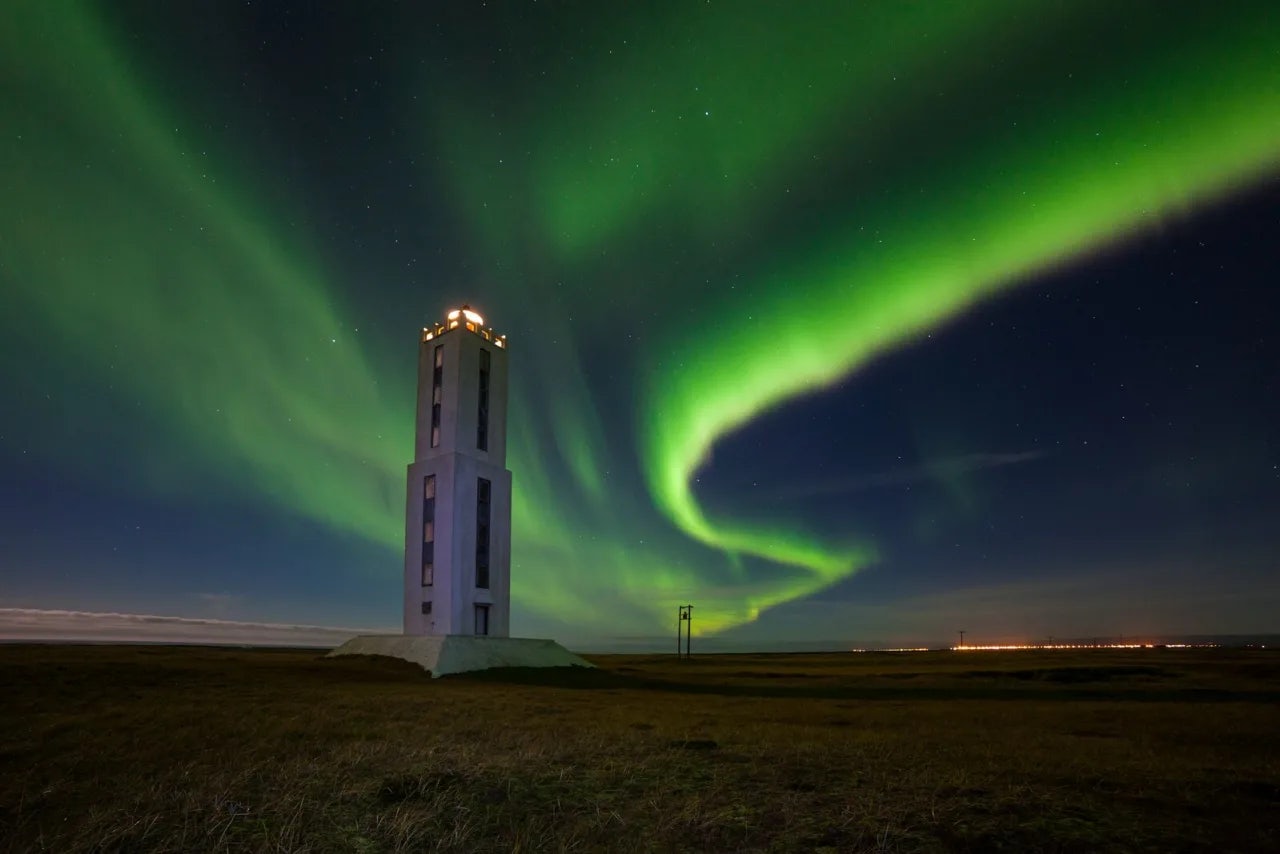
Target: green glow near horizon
point(158, 271)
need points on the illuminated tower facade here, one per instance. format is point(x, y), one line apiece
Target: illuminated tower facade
point(457, 556)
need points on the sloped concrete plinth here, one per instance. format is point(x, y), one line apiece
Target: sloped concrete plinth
point(444, 654)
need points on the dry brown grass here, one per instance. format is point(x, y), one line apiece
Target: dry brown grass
point(193, 749)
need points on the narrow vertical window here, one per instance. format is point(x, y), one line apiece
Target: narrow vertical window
point(428, 530)
point(482, 619)
point(482, 533)
point(437, 394)
point(482, 413)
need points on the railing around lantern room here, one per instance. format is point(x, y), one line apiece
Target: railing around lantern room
point(464, 318)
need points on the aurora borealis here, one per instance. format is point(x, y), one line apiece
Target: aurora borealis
point(715, 235)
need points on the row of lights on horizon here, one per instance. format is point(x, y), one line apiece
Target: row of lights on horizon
point(1017, 646)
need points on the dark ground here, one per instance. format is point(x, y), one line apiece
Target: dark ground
point(114, 748)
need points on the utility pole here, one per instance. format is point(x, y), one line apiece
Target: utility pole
point(962, 633)
point(684, 631)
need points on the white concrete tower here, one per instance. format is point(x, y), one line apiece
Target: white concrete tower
point(457, 555)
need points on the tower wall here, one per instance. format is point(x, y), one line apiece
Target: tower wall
point(455, 584)
point(461, 350)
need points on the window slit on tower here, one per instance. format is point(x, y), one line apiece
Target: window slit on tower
point(482, 414)
point(437, 394)
point(428, 530)
point(482, 533)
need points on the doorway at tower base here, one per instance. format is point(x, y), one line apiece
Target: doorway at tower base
point(441, 655)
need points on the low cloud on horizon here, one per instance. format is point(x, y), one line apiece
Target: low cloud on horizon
point(36, 624)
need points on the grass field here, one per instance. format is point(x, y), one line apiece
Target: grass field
point(111, 748)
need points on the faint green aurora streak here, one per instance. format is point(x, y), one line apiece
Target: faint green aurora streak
point(200, 306)
point(158, 276)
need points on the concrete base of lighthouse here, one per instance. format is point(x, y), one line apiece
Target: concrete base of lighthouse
point(441, 655)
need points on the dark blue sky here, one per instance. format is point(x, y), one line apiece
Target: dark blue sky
point(224, 226)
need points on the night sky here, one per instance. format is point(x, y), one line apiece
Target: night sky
point(859, 324)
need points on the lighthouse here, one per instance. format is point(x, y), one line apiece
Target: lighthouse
point(457, 554)
point(457, 528)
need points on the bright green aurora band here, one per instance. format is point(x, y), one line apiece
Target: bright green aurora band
point(917, 158)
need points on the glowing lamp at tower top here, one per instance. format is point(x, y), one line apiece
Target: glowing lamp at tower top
point(468, 313)
point(466, 318)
